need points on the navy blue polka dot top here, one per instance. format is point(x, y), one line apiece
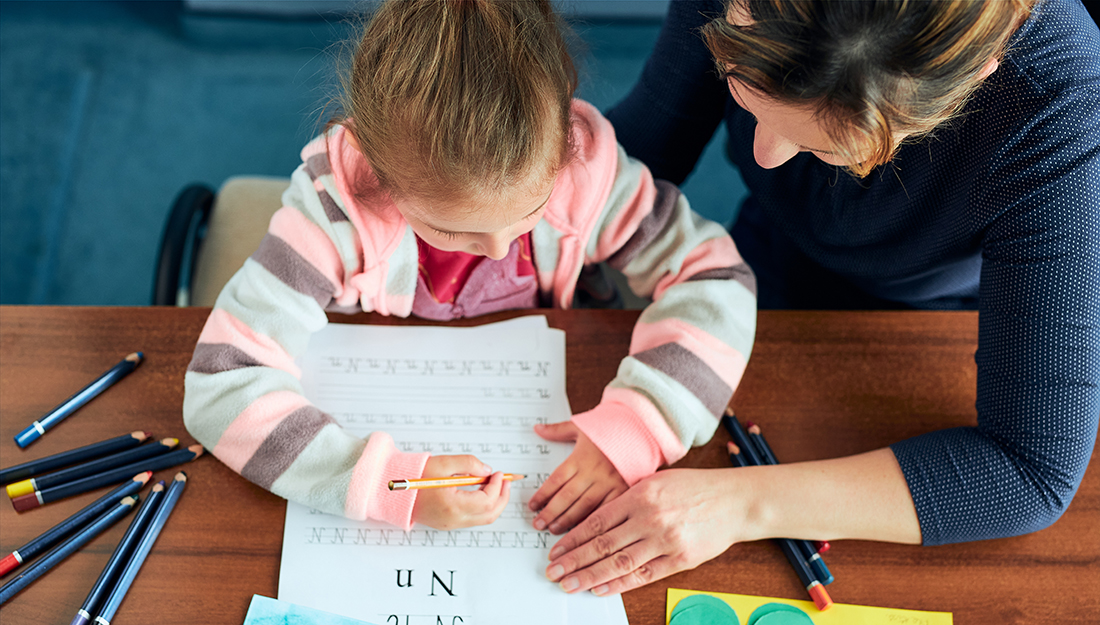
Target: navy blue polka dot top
point(1000, 207)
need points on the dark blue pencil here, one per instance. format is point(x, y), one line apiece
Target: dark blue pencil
point(73, 456)
point(65, 549)
point(126, 578)
point(72, 404)
point(813, 558)
point(92, 467)
point(113, 476)
point(70, 525)
point(120, 556)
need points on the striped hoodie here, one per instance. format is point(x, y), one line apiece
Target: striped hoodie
point(327, 252)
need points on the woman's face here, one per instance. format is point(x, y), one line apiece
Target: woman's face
point(782, 130)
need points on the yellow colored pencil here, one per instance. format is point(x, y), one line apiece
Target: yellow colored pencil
point(445, 482)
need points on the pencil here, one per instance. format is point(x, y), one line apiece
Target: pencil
point(444, 482)
point(65, 549)
point(751, 457)
point(73, 456)
point(72, 404)
point(120, 556)
point(809, 551)
point(92, 467)
point(148, 537)
point(156, 463)
point(55, 534)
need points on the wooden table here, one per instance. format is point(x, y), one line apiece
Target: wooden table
point(823, 384)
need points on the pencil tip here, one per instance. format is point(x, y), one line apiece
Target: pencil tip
point(753, 428)
point(196, 449)
point(159, 486)
point(135, 357)
point(729, 411)
point(130, 500)
point(180, 477)
point(143, 477)
point(732, 448)
point(141, 435)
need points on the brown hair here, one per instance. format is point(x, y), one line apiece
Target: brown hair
point(869, 69)
point(454, 98)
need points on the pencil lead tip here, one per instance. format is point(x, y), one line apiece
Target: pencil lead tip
point(136, 357)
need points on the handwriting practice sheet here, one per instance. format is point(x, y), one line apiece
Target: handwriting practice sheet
point(441, 390)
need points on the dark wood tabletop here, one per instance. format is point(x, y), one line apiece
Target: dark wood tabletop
point(823, 384)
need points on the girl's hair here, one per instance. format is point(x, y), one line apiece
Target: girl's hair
point(867, 70)
point(457, 98)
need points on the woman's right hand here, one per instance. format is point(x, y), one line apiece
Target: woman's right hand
point(669, 522)
point(453, 508)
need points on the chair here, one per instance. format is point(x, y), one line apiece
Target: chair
point(208, 236)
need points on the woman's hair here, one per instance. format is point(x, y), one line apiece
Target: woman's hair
point(456, 98)
point(868, 70)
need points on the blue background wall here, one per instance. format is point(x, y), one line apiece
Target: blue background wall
point(109, 109)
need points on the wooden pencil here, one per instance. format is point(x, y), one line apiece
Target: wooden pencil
point(93, 467)
point(133, 565)
point(447, 482)
point(65, 549)
point(156, 463)
point(55, 534)
point(72, 404)
point(119, 557)
point(73, 456)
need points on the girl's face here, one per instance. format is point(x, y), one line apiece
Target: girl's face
point(480, 226)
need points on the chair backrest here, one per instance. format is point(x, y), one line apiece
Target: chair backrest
point(238, 221)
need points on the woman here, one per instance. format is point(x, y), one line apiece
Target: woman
point(930, 155)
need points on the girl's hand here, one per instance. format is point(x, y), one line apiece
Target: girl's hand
point(452, 508)
point(669, 522)
point(584, 482)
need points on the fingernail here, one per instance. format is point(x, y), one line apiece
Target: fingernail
point(555, 552)
point(570, 584)
point(554, 528)
point(555, 572)
point(486, 468)
point(600, 591)
point(540, 524)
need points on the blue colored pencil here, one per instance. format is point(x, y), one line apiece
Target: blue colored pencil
point(52, 536)
point(813, 558)
point(120, 556)
point(73, 456)
point(65, 549)
point(92, 467)
point(23, 503)
point(72, 404)
point(126, 578)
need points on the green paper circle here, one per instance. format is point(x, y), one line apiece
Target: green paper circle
point(703, 610)
point(779, 614)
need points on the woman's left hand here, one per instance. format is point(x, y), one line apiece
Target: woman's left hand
point(669, 522)
point(584, 482)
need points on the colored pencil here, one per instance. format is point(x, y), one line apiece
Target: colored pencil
point(815, 588)
point(445, 482)
point(809, 551)
point(121, 555)
point(73, 456)
point(72, 404)
point(65, 549)
point(751, 455)
point(93, 467)
point(133, 565)
point(52, 536)
point(156, 463)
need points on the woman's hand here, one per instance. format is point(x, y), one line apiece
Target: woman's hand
point(452, 508)
point(671, 521)
point(584, 482)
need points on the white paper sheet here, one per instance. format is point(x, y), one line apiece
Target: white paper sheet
point(443, 390)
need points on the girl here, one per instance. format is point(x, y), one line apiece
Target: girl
point(464, 179)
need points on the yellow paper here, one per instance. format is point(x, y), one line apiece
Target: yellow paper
point(837, 614)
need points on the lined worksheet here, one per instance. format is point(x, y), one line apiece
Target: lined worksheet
point(442, 390)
